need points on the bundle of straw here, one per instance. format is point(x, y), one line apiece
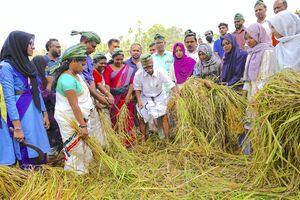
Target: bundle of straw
point(209, 114)
point(114, 143)
point(275, 135)
point(118, 169)
point(125, 126)
point(11, 180)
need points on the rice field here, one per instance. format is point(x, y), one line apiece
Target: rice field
point(203, 159)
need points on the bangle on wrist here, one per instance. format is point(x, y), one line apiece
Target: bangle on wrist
point(82, 126)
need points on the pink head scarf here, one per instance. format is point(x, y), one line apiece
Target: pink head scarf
point(184, 66)
point(264, 42)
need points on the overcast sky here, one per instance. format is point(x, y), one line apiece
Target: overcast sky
point(112, 18)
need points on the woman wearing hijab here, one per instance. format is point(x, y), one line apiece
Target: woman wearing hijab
point(260, 66)
point(183, 65)
point(73, 102)
point(119, 82)
point(209, 64)
point(286, 29)
point(261, 62)
point(49, 99)
point(233, 62)
point(23, 99)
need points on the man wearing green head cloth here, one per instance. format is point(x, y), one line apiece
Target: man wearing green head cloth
point(151, 98)
point(240, 30)
point(260, 9)
point(91, 40)
point(190, 42)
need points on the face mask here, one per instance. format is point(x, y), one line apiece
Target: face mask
point(209, 39)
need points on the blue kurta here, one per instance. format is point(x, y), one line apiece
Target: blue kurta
point(7, 154)
point(88, 70)
point(32, 121)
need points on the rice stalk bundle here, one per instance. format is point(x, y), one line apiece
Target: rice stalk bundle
point(118, 168)
point(123, 126)
point(114, 146)
point(215, 111)
point(11, 179)
point(52, 183)
point(275, 136)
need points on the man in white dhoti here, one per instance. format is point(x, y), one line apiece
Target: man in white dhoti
point(152, 101)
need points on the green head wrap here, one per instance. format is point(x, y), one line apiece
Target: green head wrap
point(189, 32)
point(117, 51)
point(98, 56)
point(76, 51)
point(91, 36)
point(259, 2)
point(238, 16)
point(158, 36)
point(145, 57)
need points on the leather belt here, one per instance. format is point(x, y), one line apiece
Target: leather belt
point(19, 92)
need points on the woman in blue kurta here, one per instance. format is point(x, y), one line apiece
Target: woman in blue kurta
point(7, 155)
point(26, 111)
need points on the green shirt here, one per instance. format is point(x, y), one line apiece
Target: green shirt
point(68, 82)
point(164, 61)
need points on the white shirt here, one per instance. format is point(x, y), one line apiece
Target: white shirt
point(266, 26)
point(108, 56)
point(193, 55)
point(152, 86)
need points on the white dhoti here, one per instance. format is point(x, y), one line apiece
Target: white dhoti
point(77, 154)
point(153, 108)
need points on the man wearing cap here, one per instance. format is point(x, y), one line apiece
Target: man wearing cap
point(218, 49)
point(152, 100)
point(190, 42)
point(260, 9)
point(91, 40)
point(239, 30)
point(162, 58)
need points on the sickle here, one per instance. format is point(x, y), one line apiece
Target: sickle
point(41, 155)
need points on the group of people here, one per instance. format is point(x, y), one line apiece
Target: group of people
point(43, 95)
